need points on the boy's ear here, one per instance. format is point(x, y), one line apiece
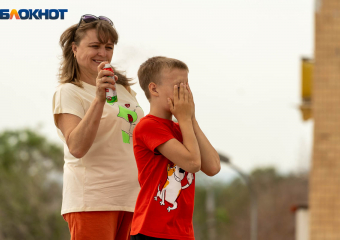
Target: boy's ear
point(153, 89)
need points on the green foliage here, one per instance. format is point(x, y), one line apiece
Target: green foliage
point(30, 187)
point(30, 196)
point(200, 215)
point(222, 215)
point(276, 193)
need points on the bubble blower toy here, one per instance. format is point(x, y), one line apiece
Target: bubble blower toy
point(111, 95)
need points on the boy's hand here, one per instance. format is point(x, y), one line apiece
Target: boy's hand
point(191, 100)
point(182, 106)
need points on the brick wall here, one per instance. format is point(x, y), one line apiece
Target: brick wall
point(324, 194)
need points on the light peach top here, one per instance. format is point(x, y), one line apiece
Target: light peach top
point(105, 179)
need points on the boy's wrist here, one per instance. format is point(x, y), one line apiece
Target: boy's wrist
point(184, 120)
point(195, 124)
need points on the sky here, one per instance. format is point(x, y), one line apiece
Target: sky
point(243, 56)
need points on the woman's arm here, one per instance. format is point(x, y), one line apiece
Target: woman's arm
point(80, 133)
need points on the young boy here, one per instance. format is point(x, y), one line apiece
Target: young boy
point(168, 154)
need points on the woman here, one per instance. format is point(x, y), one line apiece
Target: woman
point(100, 183)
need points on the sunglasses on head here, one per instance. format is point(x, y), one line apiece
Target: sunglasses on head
point(90, 18)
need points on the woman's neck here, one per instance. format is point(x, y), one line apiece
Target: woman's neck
point(88, 78)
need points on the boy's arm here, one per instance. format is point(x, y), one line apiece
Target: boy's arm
point(187, 155)
point(210, 160)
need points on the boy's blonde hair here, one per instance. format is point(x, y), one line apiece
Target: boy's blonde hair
point(151, 69)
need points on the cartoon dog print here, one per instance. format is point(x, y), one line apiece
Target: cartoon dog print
point(173, 186)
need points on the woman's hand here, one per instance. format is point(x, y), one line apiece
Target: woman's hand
point(104, 81)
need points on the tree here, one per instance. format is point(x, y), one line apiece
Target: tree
point(276, 194)
point(30, 187)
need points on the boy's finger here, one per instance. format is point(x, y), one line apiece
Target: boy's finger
point(170, 105)
point(175, 94)
point(189, 90)
point(190, 93)
point(186, 93)
point(181, 92)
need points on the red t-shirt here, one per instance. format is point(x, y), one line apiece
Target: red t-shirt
point(165, 203)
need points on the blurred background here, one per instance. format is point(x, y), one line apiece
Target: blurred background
point(252, 65)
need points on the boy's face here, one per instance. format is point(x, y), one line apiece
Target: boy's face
point(169, 78)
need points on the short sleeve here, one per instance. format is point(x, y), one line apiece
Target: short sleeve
point(153, 133)
point(67, 100)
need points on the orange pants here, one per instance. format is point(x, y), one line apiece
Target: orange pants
point(104, 225)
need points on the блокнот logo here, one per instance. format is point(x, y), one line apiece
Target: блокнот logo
point(28, 14)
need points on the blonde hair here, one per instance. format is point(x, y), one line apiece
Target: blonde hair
point(151, 69)
point(69, 69)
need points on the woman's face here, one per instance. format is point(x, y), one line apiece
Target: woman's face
point(90, 53)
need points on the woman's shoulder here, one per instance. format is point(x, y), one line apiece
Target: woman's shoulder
point(67, 91)
point(68, 87)
point(126, 92)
